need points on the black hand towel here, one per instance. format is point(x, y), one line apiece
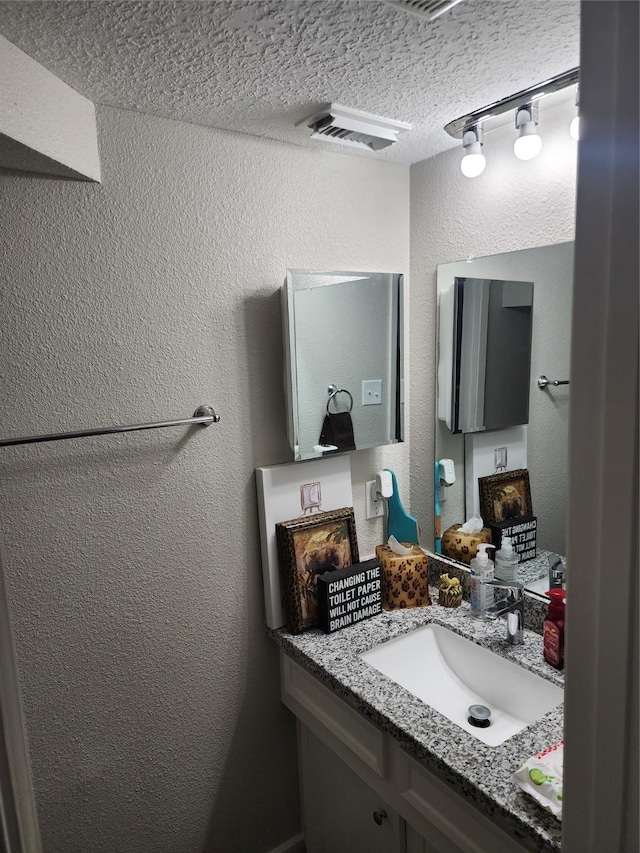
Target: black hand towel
point(337, 429)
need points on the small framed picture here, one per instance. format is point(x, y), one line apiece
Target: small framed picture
point(308, 547)
point(505, 496)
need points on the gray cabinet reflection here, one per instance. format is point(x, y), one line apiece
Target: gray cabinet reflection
point(343, 329)
point(490, 340)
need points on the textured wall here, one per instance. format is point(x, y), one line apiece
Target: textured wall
point(133, 561)
point(41, 114)
point(512, 205)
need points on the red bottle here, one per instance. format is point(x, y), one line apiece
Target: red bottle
point(553, 630)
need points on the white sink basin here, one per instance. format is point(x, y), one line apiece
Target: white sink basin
point(450, 673)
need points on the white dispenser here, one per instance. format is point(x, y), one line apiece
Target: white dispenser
point(507, 561)
point(481, 570)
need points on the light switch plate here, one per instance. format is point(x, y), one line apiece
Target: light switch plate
point(371, 392)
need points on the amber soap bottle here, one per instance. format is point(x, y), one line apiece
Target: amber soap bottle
point(553, 629)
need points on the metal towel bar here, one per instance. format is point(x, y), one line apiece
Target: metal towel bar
point(543, 381)
point(204, 415)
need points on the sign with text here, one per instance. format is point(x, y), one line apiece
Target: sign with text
point(347, 596)
point(523, 535)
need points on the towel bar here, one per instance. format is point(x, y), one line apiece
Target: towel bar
point(204, 415)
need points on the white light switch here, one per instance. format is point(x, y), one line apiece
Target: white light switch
point(371, 392)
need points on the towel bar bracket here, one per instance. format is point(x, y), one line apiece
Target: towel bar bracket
point(543, 382)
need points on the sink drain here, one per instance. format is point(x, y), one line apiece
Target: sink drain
point(479, 716)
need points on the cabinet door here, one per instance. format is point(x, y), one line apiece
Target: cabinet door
point(341, 813)
point(435, 843)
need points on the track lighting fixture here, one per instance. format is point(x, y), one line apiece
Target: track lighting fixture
point(470, 128)
point(473, 162)
point(528, 144)
point(574, 127)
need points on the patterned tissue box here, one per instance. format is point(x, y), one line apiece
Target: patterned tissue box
point(463, 546)
point(405, 579)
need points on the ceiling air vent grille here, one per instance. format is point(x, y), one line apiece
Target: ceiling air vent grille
point(356, 128)
point(429, 9)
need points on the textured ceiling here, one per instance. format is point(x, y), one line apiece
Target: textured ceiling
point(260, 67)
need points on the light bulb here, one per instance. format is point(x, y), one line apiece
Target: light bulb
point(574, 128)
point(473, 162)
point(473, 165)
point(528, 145)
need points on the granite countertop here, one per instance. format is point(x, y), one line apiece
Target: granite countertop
point(479, 773)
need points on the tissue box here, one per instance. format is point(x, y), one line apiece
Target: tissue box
point(463, 546)
point(405, 579)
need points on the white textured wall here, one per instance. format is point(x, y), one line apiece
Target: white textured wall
point(52, 128)
point(512, 205)
point(133, 561)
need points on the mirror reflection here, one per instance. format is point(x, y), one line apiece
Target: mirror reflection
point(343, 360)
point(484, 356)
point(537, 444)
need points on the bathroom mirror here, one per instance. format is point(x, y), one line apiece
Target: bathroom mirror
point(540, 444)
point(343, 360)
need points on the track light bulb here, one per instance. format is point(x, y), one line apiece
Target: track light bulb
point(473, 162)
point(528, 144)
point(574, 128)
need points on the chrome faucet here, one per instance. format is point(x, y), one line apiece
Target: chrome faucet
point(556, 572)
point(512, 607)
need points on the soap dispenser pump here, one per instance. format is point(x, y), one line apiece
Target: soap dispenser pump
point(507, 561)
point(481, 570)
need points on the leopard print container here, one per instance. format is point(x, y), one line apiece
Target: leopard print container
point(463, 546)
point(405, 579)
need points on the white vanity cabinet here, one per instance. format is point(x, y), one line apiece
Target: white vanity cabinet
point(352, 771)
point(341, 812)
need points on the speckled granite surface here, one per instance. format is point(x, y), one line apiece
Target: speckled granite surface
point(535, 604)
point(480, 773)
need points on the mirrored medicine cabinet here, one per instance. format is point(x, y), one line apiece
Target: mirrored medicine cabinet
point(531, 291)
point(344, 361)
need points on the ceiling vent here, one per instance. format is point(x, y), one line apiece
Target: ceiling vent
point(429, 9)
point(345, 126)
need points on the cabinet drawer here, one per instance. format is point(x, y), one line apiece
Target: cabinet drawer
point(311, 701)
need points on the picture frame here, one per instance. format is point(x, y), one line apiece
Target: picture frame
point(308, 547)
point(505, 496)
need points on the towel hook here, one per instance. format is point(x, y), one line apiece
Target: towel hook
point(333, 390)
